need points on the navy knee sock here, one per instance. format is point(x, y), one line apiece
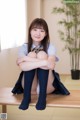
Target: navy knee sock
point(43, 79)
point(28, 79)
point(18, 86)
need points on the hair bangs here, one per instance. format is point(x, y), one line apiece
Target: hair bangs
point(38, 26)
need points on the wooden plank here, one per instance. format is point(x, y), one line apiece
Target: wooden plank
point(4, 108)
point(66, 101)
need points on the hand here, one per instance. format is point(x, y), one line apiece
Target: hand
point(20, 60)
point(51, 63)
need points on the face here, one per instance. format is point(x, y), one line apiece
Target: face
point(37, 34)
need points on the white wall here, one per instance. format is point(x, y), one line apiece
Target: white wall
point(33, 9)
point(8, 69)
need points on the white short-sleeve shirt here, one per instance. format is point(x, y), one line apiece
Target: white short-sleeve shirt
point(24, 51)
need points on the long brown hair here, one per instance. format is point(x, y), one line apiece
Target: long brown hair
point(39, 23)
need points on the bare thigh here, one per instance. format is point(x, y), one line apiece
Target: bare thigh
point(50, 87)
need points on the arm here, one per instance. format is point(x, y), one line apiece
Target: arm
point(26, 66)
point(34, 63)
point(51, 63)
point(26, 59)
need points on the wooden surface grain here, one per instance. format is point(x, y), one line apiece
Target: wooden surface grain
point(72, 100)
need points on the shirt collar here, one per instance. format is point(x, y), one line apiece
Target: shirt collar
point(33, 46)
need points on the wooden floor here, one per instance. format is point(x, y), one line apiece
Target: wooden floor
point(50, 113)
point(69, 83)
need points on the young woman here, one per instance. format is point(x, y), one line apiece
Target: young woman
point(37, 60)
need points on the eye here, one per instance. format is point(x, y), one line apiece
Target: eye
point(42, 30)
point(35, 29)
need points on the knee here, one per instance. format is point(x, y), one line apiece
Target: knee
point(32, 54)
point(42, 55)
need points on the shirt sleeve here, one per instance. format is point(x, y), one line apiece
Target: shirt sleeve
point(52, 51)
point(23, 50)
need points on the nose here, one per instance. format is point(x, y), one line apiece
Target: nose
point(38, 32)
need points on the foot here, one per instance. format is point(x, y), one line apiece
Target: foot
point(24, 104)
point(41, 105)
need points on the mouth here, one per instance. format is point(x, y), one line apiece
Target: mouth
point(37, 37)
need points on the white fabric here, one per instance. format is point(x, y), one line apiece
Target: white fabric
point(38, 89)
